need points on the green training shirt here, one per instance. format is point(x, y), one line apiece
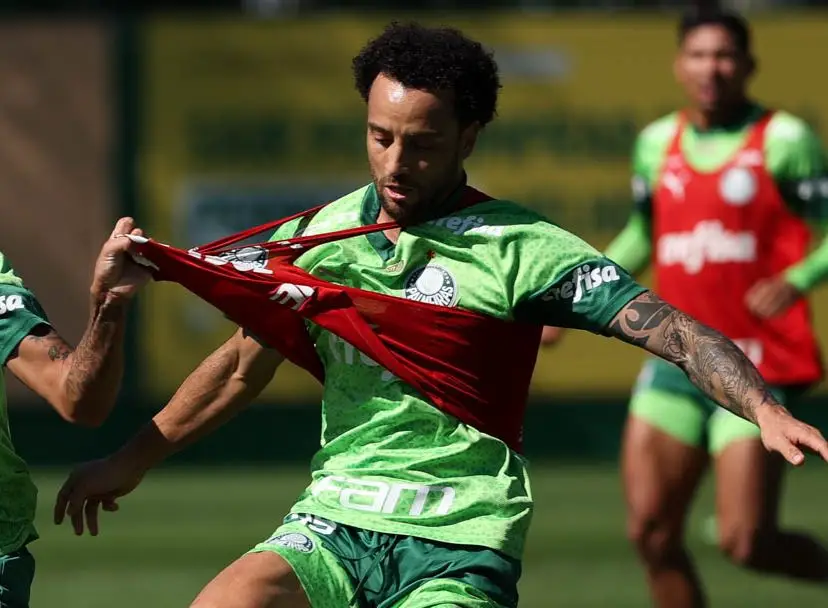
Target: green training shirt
point(390, 461)
point(20, 313)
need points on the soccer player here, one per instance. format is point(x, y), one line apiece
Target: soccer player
point(723, 192)
point(408, 506)
point(80, 383)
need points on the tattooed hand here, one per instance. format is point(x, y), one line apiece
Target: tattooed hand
point(717, 367)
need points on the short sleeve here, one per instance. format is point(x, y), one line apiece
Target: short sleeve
point(563, 281)
point(643, 178)
point(20, 313)
point(797, 160)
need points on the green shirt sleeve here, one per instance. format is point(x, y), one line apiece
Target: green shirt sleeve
point(797, 161)
point(564, 282)
point(811, 271)
point(632, 248)
point(645, 166)
point(796, 158)
point(20, 312)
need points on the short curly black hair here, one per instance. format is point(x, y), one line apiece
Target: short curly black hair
point(434, 60)
point(732, 22)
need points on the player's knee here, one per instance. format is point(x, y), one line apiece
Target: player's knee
point(654, 538)
point(742, 545)
point(256, 579)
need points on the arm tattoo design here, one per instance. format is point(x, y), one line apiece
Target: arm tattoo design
point(59, 353)
point(711, 361)
point(90, 374)
point(59, 350)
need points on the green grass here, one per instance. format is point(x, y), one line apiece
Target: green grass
point(181, 526)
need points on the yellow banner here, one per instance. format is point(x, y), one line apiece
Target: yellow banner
point(247, 121)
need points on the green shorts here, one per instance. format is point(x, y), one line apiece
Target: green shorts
point(343, 566)
point(665, 398)
point(16, 576)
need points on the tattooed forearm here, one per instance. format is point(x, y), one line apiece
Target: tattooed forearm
point(93, 373)
point(81, 383)
point(711, 361)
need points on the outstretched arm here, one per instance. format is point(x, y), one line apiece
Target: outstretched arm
point(717, 367)
point(220, 387)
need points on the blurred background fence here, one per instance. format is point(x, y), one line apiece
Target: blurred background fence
point(200, 123)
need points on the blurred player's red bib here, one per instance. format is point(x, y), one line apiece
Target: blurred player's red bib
point(471, 366)
point(719, 233)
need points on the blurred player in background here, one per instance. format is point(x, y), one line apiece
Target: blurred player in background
point(408, 507)
point(80, 383)
point(723, 194)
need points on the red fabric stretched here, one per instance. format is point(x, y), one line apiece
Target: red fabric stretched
point(471, 366)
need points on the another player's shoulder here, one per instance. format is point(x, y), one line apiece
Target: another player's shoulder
point(659, 132)
point(7, 274)
point(788, 129)
point(793, 151)
point(651, 146)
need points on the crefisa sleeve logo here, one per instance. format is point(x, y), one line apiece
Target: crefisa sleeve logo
point(431, 284)
point(583, 280)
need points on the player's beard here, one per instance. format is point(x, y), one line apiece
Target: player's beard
point(423, 202)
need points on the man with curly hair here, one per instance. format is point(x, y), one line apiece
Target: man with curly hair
point(410, 507)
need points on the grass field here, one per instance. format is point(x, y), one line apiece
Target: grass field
point(182, 526)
